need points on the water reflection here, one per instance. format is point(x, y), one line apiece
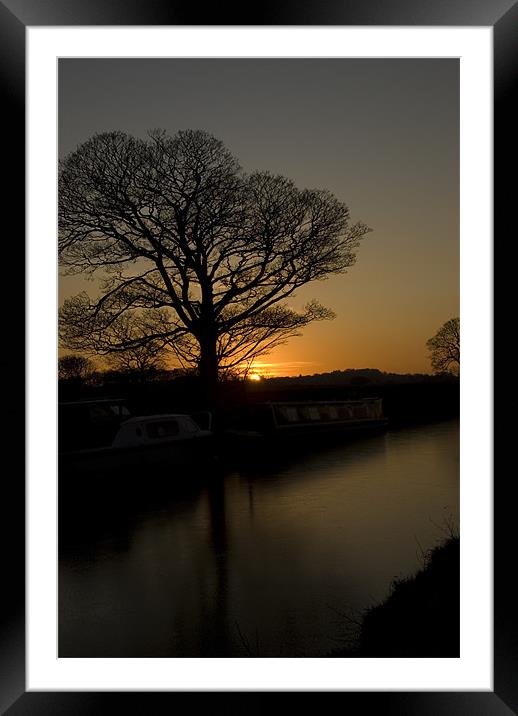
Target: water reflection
point(254, 561)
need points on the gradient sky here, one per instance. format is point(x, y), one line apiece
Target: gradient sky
point(382, 135)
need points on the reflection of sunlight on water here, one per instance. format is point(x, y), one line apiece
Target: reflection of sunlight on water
point(276, 548)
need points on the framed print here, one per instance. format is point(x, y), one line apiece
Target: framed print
point(234, 580)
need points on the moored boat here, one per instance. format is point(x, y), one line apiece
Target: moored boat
point(133, 443)
point(283, 422)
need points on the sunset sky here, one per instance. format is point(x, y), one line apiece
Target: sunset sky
point(382, 135)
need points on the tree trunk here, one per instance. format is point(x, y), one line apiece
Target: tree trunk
point(208, 367)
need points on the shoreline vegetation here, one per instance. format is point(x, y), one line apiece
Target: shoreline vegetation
point(407, 399)
point(419, 618)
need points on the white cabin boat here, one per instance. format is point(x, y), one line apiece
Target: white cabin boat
point(150, 441)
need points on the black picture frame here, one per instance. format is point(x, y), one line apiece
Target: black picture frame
point(15, 16)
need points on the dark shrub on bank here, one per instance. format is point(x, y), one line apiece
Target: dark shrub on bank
point(420, 618)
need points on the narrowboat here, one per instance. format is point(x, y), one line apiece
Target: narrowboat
point(308, 421)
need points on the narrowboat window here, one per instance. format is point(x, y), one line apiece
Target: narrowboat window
point(324, 412)
point(163, 429)
point(281, 414)
point(286, 414)
point(360, 411)
point(304, 413)
point(345, 412)
point(310, 413)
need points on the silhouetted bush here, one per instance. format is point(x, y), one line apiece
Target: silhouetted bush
point(421, 616)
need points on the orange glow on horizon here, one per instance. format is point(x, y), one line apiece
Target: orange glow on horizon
point(382, 137)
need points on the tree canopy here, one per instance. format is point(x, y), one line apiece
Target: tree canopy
point(75, 367)
point(444, 348)
point(192, 253)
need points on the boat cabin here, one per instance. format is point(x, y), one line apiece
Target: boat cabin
point(156, 429)
point(326, 413)
point(301, 417)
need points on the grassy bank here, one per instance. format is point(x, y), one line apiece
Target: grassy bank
point(420, 617)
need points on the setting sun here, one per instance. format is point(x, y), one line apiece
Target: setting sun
point(254, 376)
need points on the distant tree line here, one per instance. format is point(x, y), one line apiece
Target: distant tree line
point(355, 377)
point(80, 370)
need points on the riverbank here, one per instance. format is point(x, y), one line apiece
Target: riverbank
point(420, 617)
point(409, 401)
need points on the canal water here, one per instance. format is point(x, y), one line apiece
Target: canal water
point(277, 559)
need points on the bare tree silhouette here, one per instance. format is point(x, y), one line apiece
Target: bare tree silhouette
point(444, 348)
point(142, 360)
point(201, 255)
point(75, 367)
point(128, 347)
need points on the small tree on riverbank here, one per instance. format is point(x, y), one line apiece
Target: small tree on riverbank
point(75, 368)
point(444, 348)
